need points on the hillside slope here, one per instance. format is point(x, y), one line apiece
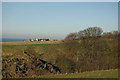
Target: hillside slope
point(70, 56)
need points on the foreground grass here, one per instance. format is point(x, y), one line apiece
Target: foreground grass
point(93, 74)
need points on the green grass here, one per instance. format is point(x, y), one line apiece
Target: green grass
point(92, 74)
point(25, 45)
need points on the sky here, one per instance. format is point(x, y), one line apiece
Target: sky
point(55, 20)
point(60, 0)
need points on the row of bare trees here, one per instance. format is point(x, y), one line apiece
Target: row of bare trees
point(91, 32)
point(87, 33)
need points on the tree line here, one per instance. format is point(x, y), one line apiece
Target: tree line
point(91, 49)
point(91, 32)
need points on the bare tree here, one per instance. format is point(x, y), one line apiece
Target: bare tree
point(93, 32)
point(87, 33)
point(90, 32)
point(71, 36)
point(81, 34)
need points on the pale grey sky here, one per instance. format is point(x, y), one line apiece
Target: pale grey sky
point(60, 0)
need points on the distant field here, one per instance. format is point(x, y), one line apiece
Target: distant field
point(27, 42)
point(13, 45)
point(95, 74)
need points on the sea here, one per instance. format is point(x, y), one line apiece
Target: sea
point(10, 40)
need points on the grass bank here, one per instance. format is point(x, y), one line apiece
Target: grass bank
point(92, 74)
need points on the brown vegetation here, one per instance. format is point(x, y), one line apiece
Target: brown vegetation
point(70, 56)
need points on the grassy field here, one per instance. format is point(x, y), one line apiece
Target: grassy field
point(92, 74)
point(63, 55)
point(27, 42)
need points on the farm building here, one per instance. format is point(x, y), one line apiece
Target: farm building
point(37, 39)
